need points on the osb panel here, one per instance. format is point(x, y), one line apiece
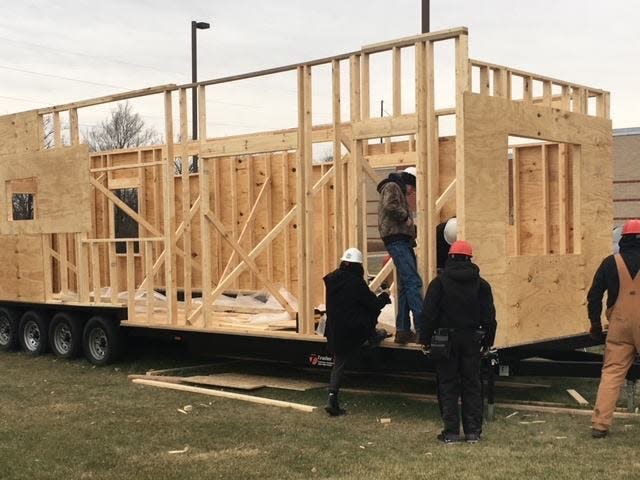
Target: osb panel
point(447, 172)
point(528, 309)
point(62, 177)
point(549, 290)
point(30, 278)
point(236, 186)
point(10, 270)
point(531, 213)
point(530, 200)
point(22, 276)
point(18, 133)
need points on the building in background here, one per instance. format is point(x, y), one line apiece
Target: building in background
point(626, 174)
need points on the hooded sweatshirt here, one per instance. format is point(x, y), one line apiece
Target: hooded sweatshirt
point(606, 277)
point(458, 298)
point(393, 211)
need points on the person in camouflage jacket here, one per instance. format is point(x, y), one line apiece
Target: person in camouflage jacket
point(398, 232)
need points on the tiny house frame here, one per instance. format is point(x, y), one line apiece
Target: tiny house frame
point(261, 215)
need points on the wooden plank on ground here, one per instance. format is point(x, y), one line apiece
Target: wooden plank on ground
point(514, 406)
point(231, 395)
point(577, 397)
point(158, 378)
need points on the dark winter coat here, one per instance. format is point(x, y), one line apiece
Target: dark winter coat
point(606, 277)
point(393, 211)
point(442, 247)
point(352, 309)
point(460, 299)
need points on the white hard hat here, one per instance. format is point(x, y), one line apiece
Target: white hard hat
point(411, 171)
point(352, 255)
point(451, 230)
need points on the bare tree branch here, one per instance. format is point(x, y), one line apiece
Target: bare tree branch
point(123, 129)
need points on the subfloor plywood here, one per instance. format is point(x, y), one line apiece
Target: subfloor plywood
point(253, 382)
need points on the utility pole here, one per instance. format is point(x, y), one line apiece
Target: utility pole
point(425, 16)
point(195, 26)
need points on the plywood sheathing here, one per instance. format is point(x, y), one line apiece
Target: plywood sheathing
point(537, 296)
point(19, 133)
point(54, 172)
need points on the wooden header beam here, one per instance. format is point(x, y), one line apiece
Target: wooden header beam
point(108, 99)
point(411, 41)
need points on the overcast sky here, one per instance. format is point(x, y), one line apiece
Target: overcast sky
point(53, 52)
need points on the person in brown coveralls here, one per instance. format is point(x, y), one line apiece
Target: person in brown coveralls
point(618, 275)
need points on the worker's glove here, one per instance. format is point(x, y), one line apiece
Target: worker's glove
point(595, 332)
point(426, 350)
point(385, 298)
point(487, 350)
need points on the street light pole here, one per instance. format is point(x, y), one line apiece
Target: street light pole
point(194, 78)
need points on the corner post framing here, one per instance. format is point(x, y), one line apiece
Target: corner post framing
point(304, 201)
point(170, 215)
point(463, 79)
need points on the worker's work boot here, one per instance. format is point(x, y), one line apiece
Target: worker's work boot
point(472, 437)
point(595, 433)
point(403, 337)
point(448, 438)
point(378, 336)
point(332, 407)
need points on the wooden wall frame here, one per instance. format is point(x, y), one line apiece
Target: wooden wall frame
point(261, 215)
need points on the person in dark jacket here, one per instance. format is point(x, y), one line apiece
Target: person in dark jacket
point(446, 234)
point(398, 232)
point(352, 315)
point(460, 301)
point(618, 276)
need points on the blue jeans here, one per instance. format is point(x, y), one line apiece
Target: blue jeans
point(409, 284)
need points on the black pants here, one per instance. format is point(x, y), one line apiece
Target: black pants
point(339, 363)
point(459, 377)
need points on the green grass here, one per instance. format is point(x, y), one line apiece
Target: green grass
point(68, 420)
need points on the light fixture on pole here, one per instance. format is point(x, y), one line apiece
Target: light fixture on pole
point(194, 78)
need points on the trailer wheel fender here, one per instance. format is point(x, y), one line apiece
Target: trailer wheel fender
point(102, 341)
point(33, 332)
point(9, 320)
point(65, 335)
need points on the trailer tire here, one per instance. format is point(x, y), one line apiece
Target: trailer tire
point(33, 333)
point(102, 341)
point(9, 321)
point(65, 335)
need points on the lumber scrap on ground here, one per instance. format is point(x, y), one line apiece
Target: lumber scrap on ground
point(230, 395)
point(159, 378)
point(577, 397)
point(516, 406)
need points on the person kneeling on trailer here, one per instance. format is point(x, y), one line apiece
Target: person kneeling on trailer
point(458, 323)
point(352, 315)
